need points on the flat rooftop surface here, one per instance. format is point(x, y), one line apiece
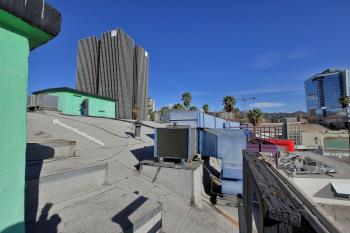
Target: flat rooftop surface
point(122, 153)
point(340, 214)
point(319, 189)
point(343, 168)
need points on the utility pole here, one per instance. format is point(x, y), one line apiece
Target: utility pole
point(244, 99)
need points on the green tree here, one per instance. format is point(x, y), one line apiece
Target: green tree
point(164, 110)
point(178, 106)
point(187, 99)
point(205, 108)
point(229, 102)
point(151, 115)
point(237, 113)
point(135, 112)
point(255, 116)
point(193, 108)
point(344, 101)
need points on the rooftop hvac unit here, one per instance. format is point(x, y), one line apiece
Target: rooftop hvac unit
point(175, 142)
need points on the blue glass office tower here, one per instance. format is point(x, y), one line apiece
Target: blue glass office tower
point(322, 93)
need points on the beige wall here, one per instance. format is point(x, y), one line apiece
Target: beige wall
point(308, 139)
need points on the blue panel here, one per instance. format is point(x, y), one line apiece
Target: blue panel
point(230, 146)
point(208, 144)
point(232, 187)
point(226, 144)
point(232, 172)
point(199, 119)
point(189, 118)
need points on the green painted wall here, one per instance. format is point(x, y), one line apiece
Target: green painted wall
point(17, 38)
point(14, 51)
point(101, 108)
point(69, 103)
point(336, 143)
point(35, 36)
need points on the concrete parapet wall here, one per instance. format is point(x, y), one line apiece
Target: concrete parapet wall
point(50, 149)
point(184, 182)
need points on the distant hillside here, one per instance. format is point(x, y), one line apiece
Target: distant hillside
point(275, 116)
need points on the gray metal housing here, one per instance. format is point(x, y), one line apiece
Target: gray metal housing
point(175, 143)
point(42, 102)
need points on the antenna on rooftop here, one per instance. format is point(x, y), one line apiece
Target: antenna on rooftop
point(244, 99)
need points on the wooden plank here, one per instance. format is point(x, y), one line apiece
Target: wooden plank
point(276, 204)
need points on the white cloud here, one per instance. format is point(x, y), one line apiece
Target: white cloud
point(298, 54)
point(269, 91)
point(267, 60)
point(199, 93)
point(267, 105)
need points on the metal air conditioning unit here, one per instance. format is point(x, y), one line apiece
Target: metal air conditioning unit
point(178, 142)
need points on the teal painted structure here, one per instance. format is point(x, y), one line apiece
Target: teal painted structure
point(13, 91)
point(70, 100)
point(17, 39)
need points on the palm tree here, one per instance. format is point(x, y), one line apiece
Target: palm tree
point(151, 115)
point(345, 101)
point(193, 108)
point(187, 99)
point(178, 106)
point(164, 110)
point(255, 116)
point(135, 112)
point(229, 102)
point(163, 113)
point(237, 113)
point(205, 108)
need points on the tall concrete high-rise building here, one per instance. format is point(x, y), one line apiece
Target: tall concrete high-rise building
point(87, 65)
point(141, 81)
point(122, 71)
point(116, 70)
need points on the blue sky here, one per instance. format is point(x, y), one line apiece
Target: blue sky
point(264, 49)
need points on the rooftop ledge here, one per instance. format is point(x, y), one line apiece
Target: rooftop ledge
point(33, 19)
